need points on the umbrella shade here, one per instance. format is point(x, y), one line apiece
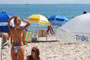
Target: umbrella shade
point(3, 17)
point(57, 19)
point(39, 19)
point(76, 30)
point(36, 27)
point(78, 24)
point(4, 29)
point(3, 22)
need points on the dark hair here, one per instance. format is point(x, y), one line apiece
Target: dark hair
point(84, 12)
point(36, 50)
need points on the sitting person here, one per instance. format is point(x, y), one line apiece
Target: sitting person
point(34, 54)
point(5, 37)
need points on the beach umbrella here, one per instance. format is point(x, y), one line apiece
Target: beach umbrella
point(3, 21)
point(57, 20)
point(39, 19)
point(76, 30)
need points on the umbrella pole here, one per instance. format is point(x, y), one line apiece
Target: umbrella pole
point(36, 32)
point(56, 26)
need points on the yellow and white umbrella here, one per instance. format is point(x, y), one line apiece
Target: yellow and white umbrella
point(39, 19)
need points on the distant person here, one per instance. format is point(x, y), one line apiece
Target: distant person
point(84, 12)
point(34, 54)
point(5, 37)
point(16, 33)
point(72, 17)
point(3, 11)
point(50, 29)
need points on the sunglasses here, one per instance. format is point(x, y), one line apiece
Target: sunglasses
point(33, 51)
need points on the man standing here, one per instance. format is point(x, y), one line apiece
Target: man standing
point(17, 50)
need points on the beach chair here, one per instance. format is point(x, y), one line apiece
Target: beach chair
point(27, 37)
point(42, 33)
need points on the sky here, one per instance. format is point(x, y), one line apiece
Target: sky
point(44, 1)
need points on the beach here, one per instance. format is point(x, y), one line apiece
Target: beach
point(51, 47)
point(54, 50)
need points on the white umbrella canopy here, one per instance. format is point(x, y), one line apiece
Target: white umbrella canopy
point(43, 19)
point(76, 30)
point(78, 24)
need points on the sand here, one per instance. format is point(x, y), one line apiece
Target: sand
point(54, 51)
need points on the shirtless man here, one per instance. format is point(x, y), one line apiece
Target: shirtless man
point(17, 50)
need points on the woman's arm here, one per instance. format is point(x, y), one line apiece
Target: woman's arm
point(28, 24)
point(9, 20)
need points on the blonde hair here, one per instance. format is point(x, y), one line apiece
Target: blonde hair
point(16, 19)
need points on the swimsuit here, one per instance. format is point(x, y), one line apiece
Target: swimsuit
point(16, 48)
point(19, 28)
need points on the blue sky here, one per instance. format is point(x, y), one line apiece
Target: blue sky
point(44, 1)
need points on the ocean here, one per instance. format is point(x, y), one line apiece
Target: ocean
point(26, 10)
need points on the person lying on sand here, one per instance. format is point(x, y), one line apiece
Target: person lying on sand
point(17, 50)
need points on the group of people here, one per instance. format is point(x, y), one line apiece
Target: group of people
point(17, 42)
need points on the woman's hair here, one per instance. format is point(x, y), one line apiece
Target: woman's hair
point(16, 20)
point(36, 50)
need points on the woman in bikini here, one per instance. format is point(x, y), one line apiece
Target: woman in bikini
point(17, 50)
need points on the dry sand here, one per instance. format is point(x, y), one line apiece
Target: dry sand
point(54, 51)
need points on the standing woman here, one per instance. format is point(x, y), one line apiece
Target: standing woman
point(34, 54)
point(16, 33)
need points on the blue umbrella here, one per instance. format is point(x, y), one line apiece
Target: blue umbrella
point(3, 21)
point(57, 20)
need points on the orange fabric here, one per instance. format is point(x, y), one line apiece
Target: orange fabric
point(42, 33)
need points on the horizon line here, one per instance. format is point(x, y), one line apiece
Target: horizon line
point(47, 3)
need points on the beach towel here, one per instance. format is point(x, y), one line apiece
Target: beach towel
point(42, 33)
point(27, 37)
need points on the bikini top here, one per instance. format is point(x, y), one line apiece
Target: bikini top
point(19, 28)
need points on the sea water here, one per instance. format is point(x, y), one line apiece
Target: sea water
point(26, 10)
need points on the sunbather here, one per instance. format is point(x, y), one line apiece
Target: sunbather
point(17, 50)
